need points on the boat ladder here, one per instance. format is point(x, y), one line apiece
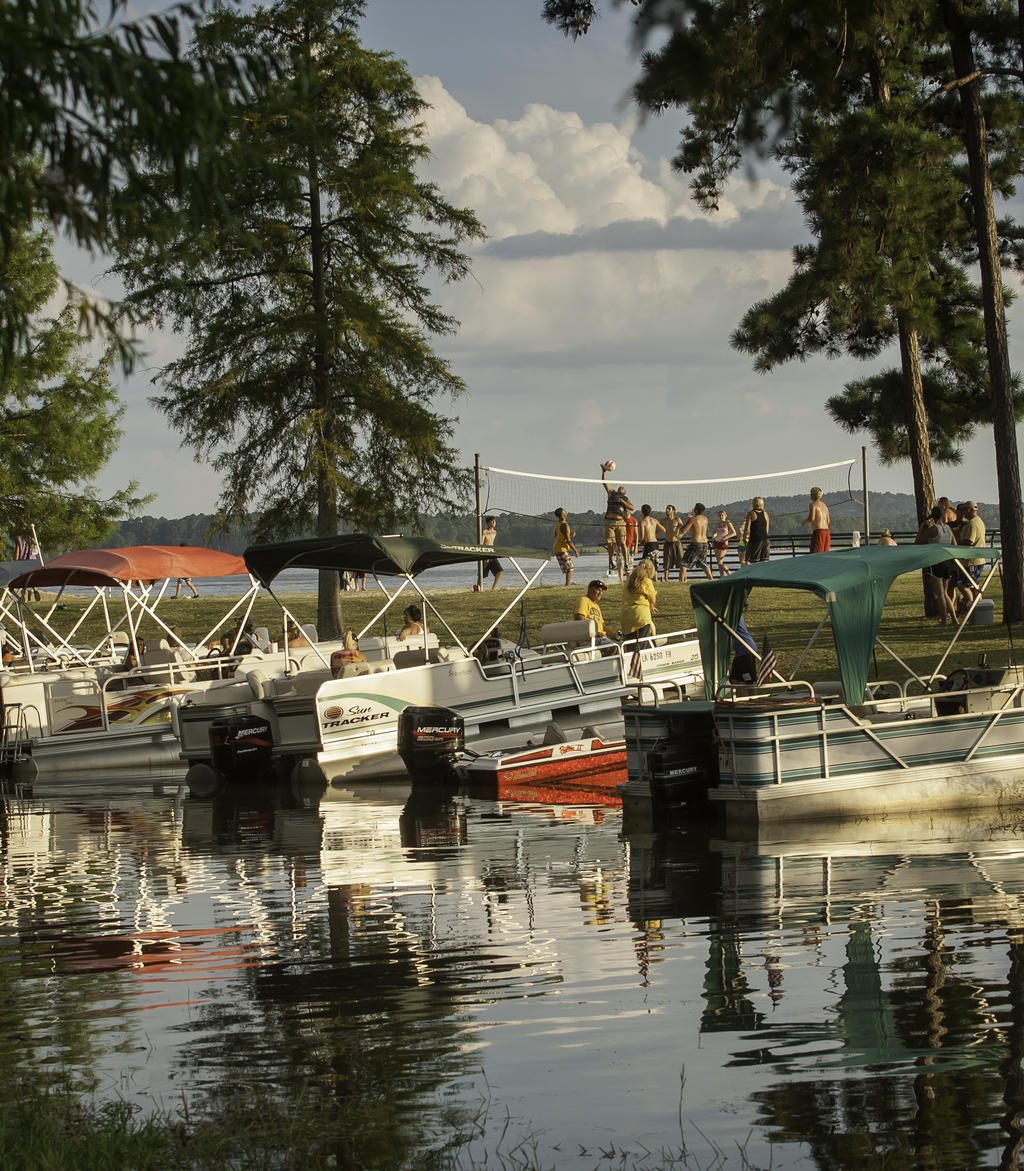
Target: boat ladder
point(14, 738)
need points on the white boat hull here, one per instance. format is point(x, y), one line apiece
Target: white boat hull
point(350, 725)
point(73, 720)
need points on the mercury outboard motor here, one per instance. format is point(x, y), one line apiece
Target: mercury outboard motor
point(430, 740)
point(241, 745)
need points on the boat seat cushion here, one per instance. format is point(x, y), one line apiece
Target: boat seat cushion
point(553, 734)
point(415, 658)
point(576, 631)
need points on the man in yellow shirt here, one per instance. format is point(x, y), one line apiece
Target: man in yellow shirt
point(588, 608)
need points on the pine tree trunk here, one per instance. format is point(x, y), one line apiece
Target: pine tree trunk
point(1011, 516)
point(328, 607)
point(917, 433)
point(917, 419)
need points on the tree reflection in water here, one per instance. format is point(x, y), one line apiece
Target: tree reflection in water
point(367, 974)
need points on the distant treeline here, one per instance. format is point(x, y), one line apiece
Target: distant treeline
point(895, 511)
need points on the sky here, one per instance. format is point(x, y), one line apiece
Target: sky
point(596, 323)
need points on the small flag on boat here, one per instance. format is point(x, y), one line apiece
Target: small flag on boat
point(768, 663)
point(636, 663)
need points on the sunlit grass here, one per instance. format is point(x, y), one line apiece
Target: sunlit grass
point(788, 618)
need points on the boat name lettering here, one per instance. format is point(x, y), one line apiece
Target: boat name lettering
point(359, 719)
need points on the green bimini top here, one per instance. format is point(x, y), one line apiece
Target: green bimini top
point(853, 583)
point(394, 556)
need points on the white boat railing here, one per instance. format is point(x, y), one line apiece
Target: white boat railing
point(171, 674)
point(14, 737)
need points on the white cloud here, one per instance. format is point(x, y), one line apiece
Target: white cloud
point(599, 316)
point(545, 171)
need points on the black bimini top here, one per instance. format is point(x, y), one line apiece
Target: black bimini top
point(362, 553)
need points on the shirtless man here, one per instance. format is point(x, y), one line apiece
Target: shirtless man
point(650, 526)
point(819, 520)
point(618, 507)
point(672, 552)
point(487, 537)
point(698, 551)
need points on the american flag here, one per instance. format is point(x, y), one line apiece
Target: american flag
point(768, 663)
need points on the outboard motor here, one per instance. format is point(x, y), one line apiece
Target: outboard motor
point(240, 745)
point(430, 740)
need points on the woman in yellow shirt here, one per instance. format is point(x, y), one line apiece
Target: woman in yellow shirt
point(638, 601)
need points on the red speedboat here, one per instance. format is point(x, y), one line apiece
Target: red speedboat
point(565, 772)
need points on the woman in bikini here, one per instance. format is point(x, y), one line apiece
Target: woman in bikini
point(720, 537)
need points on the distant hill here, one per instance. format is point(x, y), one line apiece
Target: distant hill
point(893, 510)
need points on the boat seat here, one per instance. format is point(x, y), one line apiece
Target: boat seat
point(304, 683)
point(159, 658)
point(590, 733)
point(310, 631)
point(415, 642)
point(230, 692)
point(553, 734)
point(349, 670)
point(372, 646)
point(573, 633)
point(415, 658)
point(264, 686)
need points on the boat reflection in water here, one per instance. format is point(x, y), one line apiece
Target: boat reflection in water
point(425, 967)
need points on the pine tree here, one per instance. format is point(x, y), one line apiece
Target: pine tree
point(87, 93)
point(59, 412)
point(750, 75)
point(308, 378)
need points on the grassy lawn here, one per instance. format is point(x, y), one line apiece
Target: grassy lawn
point(788, 617)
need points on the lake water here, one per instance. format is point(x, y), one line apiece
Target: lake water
point(553, 986)
point(304, 581)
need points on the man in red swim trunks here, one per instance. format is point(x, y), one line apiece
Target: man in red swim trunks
point(819, 520)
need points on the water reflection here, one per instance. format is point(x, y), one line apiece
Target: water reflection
point(413, 966)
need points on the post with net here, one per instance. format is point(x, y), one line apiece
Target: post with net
point(867, 505)
point(479, 519)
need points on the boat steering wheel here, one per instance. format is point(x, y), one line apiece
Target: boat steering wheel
point(957, 680)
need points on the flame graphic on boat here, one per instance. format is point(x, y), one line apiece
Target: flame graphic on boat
point(137, 708)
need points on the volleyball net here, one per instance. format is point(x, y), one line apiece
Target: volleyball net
point(531, 494)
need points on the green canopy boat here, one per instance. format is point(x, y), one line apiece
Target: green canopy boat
point(853, 583)
point(790, 751)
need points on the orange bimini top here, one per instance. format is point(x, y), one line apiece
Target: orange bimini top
point(113, 567)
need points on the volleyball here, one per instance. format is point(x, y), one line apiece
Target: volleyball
point(609, 465)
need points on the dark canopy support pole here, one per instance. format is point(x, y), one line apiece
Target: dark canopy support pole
point(479, 519)
point(867, 505)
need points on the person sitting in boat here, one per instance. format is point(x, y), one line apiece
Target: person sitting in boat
point(350, 654)
point(588, 609)
point(130, 662)
point(248, 639)
point(131, 659)
point(639, 602)
point(414, 625)
point(294, 636)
